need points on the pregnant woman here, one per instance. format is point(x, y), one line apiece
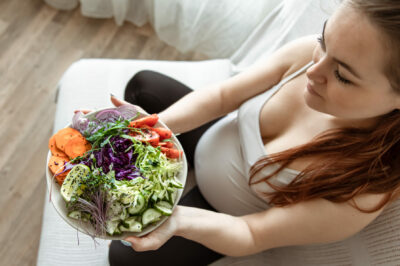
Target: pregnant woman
point(300, 149)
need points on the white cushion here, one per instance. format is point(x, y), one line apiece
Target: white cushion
point(88, 84)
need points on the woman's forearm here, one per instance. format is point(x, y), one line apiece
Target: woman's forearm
point(220, 232)
point(193, 110)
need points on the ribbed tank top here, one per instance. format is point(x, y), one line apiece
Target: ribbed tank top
point(226, 152)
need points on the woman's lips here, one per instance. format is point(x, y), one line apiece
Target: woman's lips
point(311, 91)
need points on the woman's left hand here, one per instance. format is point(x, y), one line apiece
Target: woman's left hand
point(117, 102)
point(158, 237)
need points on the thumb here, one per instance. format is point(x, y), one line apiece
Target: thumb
point(117, 102)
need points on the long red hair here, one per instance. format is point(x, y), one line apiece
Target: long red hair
point(350, 161)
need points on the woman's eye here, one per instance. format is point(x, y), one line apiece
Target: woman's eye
point(341, 79)
point(321, 42)
point(319, 39)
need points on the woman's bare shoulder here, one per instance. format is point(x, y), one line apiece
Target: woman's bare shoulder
point(299, 53)
point(264, 74)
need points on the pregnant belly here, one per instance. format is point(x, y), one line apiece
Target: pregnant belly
point(220, 173)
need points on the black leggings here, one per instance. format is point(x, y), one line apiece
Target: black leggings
point(155, 92)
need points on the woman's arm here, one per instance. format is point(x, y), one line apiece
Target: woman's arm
point(314, 221)
point(206, 104)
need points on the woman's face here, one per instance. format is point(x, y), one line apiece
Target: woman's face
point(347, 80)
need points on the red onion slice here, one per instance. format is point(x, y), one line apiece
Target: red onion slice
point(79, 122)
point(108, 115)
point(127, 111)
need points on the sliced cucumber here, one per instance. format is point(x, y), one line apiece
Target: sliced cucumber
point(138, 204)
point(129, 220)
point(127, 198)
point(162, 193)
point(150, 216)
point(79, 215)
point(175, 183)
point(131, 225)
point(75, 215)
point(154, 197)
point(164, 207)
point(124, 214)
point(116, 211)
point(117, 231)
point(166, 196)
point(172, 196)
point(112, 227)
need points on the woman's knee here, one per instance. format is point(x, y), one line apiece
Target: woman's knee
point(141, 81)
point(154, 91)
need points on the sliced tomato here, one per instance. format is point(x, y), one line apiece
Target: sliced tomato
point(164, 133)
point(150, 121)
point(171, 153)
point(148, 136)
point(166, 144)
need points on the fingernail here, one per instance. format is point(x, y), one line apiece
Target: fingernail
point(112, 95)
point(126, 243)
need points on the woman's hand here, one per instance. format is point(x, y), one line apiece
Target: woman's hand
point(117, 102)
point(158, 237)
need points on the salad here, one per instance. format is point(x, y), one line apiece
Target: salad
point(116, 170)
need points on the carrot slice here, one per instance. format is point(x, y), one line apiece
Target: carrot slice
point(64, 135)
point(61, 177)
point(53, 148)
point(76, 146)
point(88, 146)
point(56, 164)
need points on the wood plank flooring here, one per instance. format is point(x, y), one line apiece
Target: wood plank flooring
point(37, 44)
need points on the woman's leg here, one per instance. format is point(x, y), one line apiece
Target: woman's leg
point(155, 92)
point(176, 251)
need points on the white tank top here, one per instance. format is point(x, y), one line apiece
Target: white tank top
point(228, 149)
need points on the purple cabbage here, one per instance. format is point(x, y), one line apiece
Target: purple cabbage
point(123, 163)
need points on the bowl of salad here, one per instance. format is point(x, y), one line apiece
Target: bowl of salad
point(115, 172)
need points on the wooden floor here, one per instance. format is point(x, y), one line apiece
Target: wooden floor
point(37, 44)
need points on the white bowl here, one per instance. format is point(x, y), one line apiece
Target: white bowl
point(85, 227)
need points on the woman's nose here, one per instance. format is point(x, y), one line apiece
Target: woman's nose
point(316, 73)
